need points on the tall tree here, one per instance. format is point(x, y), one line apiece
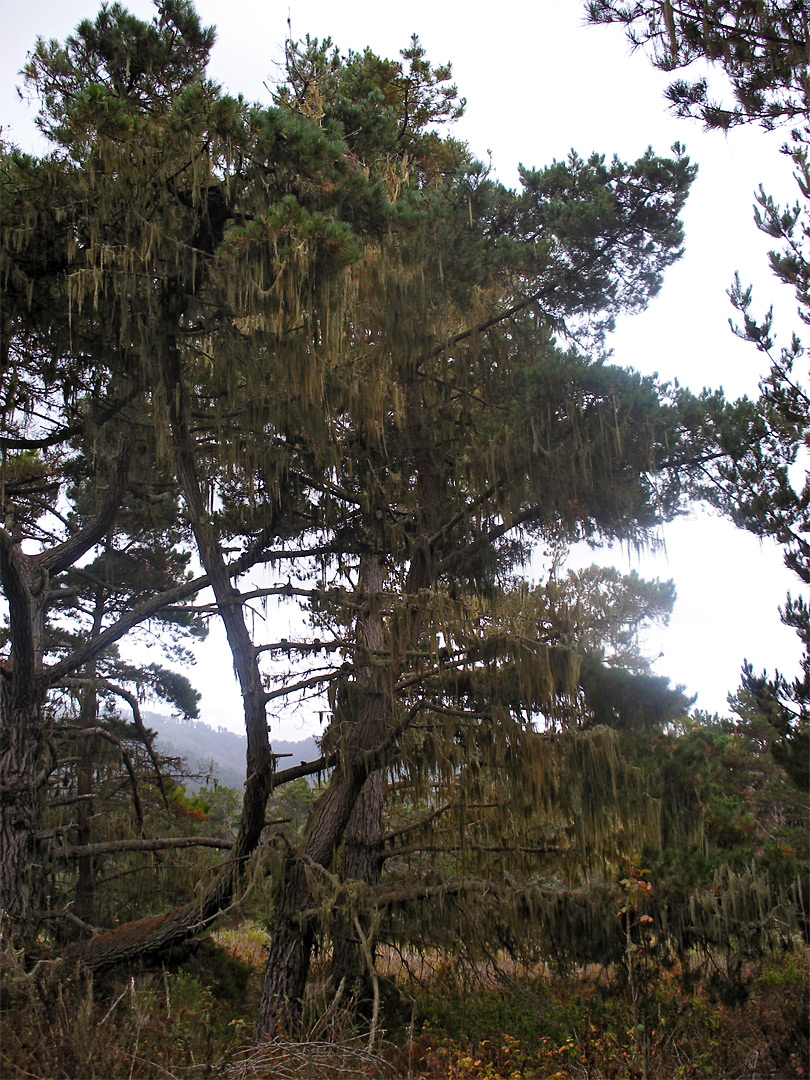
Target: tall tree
point(476, 436)
point(118, 294)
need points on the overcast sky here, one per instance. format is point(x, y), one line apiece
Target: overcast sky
point(538, 83)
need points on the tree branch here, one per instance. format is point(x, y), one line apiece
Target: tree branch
point(66, 554)
point(112, 847)
point(104, 734)
point(95, 646)
point(132, 701)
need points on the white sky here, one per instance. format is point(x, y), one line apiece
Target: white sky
point(538, 83)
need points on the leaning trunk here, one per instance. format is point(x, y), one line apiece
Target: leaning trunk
point(288, 962)
point(296, 916)
point(360, 863)
point(150, 937)
point(296, 920)
point(290, 952)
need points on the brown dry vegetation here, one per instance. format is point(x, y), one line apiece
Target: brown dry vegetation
point(497, 1021)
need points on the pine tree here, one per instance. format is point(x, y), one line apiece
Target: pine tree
point(117, 294)
point(760, 47)
point(488, 437)
point(764, 52)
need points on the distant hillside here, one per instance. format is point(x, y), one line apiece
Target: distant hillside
point(200, 745)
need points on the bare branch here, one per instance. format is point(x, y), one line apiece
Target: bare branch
point(112, 847)
point(104, 734)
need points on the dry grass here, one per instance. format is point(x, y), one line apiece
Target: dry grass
point(310, 1060)
point(248, 942)
point(494, 1022)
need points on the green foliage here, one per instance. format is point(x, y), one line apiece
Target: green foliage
point(383, 109)
point(291, 804)
point(489, 1022)
point(224, 974)
point(629, 211)
point(476, 1014)
point(628, 701)
point(499, 1023)
point(165, 1022)
point(761, 48)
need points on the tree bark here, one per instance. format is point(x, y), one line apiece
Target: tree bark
point(294, 932)
point(362, 850)
point(21, 757)
point(23, 686)
point(288, 961)
point(287, 970)
point(84, 906)
point(22, 736)
point(229, 601)
point(360, 863)
point(111, 847)
point(148, 937)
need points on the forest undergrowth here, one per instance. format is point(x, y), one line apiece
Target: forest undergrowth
point(492, 1021)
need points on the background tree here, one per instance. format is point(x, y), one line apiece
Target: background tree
point(762, 51)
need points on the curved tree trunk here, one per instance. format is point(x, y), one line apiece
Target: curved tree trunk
point(288, 962)
point(152, 936)
point(295, 924)
point(287, 970)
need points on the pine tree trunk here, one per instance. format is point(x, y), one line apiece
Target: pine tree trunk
point(288, 962)
point(150, 937)
point(22, 741)
point(293, 934)
point(361, 862)
point(294, 930)
point(21, 757)
point(289, 958)
point(85, 902)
